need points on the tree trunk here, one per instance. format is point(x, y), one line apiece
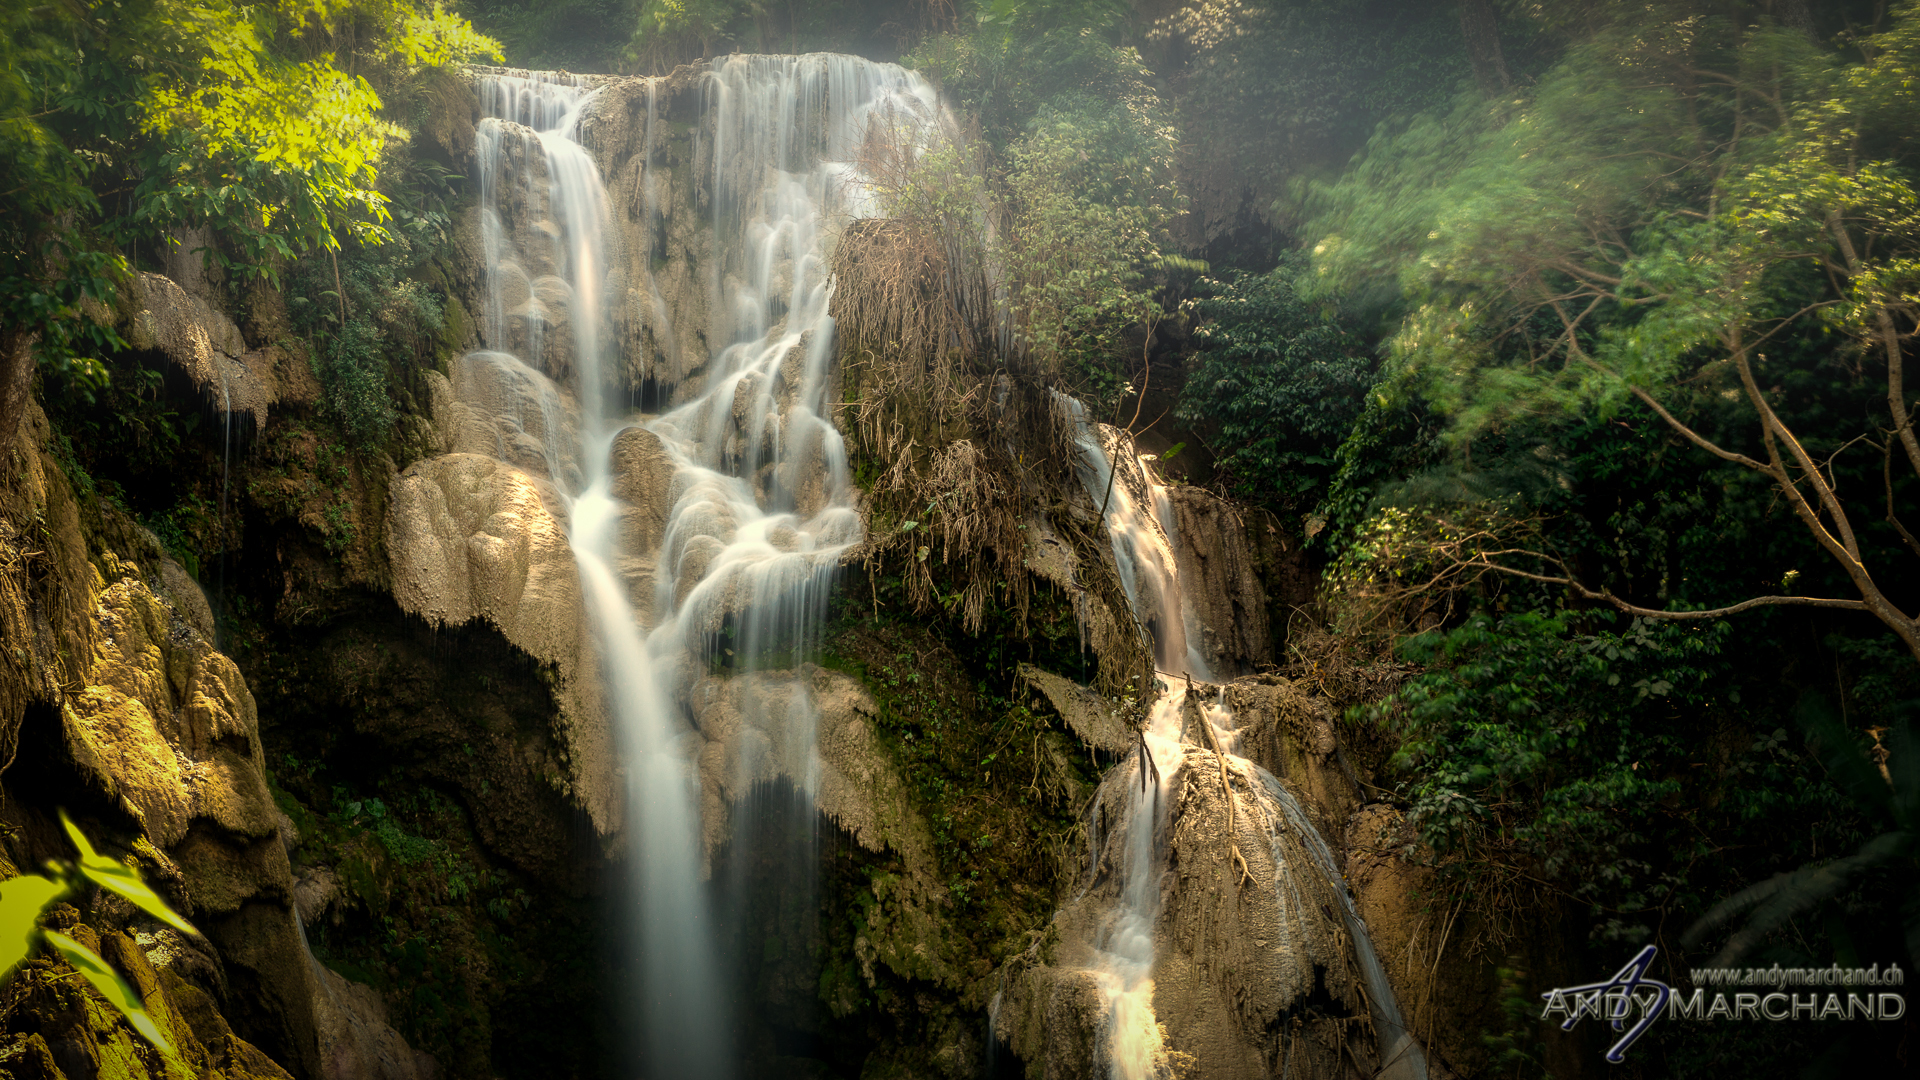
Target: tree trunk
point(16, 380)
point(1482, 31)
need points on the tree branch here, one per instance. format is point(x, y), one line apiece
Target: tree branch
point(1770, 427)
point(1656, 613)
point(1889, 336)
point(1691, 435)
point(1886, 468)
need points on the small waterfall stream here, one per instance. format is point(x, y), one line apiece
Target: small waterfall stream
point(1141, 525)
point(755, 474)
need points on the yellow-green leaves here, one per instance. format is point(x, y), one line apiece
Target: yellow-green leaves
point(442, 39)
point(22, 899)
point(111, 986)
point(122, 879)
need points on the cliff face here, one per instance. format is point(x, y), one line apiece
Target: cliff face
point(120, 708)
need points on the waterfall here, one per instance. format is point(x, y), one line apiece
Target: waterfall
point(747, 464)
point(1140, 523)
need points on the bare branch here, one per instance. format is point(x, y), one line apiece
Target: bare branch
point(1771, 426)
point(1579, 271)
point(1886, 468)
point(1691, 435)
point(1658, 613)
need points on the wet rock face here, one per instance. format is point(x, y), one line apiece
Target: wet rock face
point(750, 739)
point(167, 726)
point(473, 538)
point(1219, 574)
point(657, 186)
point(58, 1029)
point(1251, 965)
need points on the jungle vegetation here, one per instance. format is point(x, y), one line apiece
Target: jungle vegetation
point(1567, 337)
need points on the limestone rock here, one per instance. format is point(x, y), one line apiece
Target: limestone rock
point(1238, 956)
point(657, 184)
point(756, 728)
point(338, 1029)
point(1086, 713)
point(166, 725)
point(78, 1035)
point(503, 409)
point(475, 538)
point(1290, 733)
point(1217, 572)
point(208, 347)
point(643, 478)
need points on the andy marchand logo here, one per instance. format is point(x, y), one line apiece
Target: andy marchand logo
point(1614, 1001)
point(1631, 1001)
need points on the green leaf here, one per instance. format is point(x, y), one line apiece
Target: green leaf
point(120, 878)
point(22, 899)
point(111, 986)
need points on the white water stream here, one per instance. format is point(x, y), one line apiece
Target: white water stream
point(761, 510)
point(1142, 532)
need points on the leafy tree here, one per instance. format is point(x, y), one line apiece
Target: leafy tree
point(1091, 189)
point(122, 124)
point(1675, 217)
point(1272, 92)
point(1283, 378)
point(48, 271)
point(671, 32)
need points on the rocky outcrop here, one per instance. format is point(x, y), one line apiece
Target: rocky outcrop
point(69, 1032)
point(658, 189)
point(1088, 715)
point(149, 734)
point(209, 350)
point(1251, 975)
point(479, 534)
point(748, 724)
point(1219, 575)
point(1290, 733)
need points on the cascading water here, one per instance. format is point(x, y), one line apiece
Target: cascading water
point(1140, 522)
point(760, 509)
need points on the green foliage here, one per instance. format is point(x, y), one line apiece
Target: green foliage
point(573, 35)
point(192, 113)
point(1092, 188)
point(1281, 91)
point(1283, 378)
point(1619, 225)
point(49, 274)
point(24, 899)
point(1540, 752)
point(1004, 77)
point(391, 318)
point(1394, 436)
point(670, 32)
point(1888, 796)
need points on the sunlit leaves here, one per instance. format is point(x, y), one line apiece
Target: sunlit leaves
point(1633, 220)
point(119, 878)
point(440, 38)
point(110, 986)
point(22, 899)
